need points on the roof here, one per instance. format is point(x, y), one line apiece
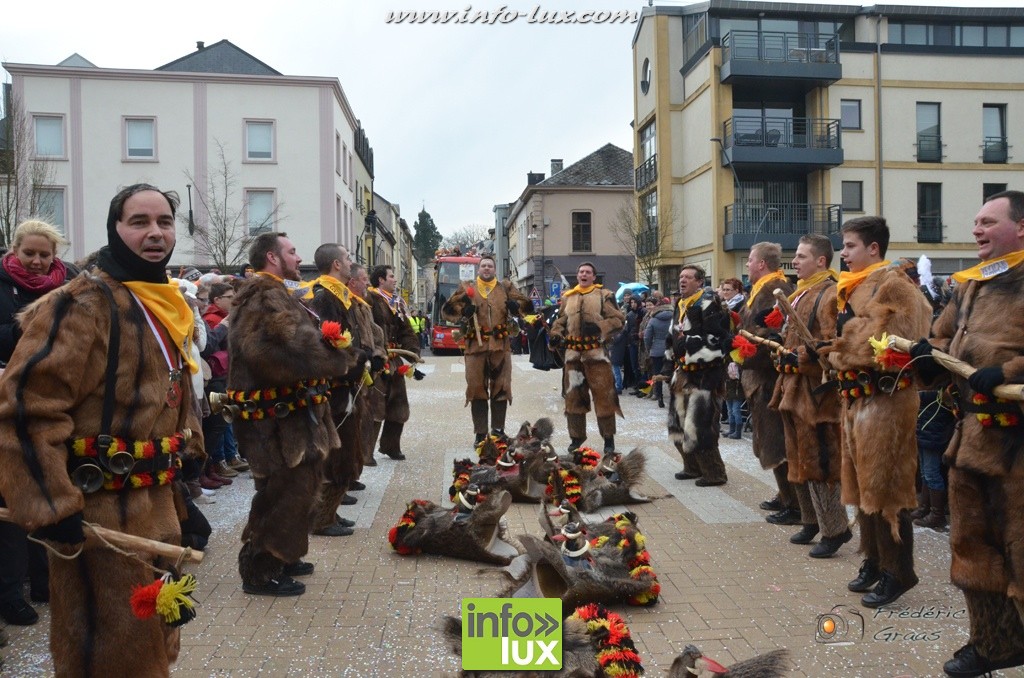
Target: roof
point(76, 60)
point(220, 57)
point(607, 166)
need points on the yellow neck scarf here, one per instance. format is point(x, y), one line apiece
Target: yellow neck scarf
point(485, 287)
point(848, 282)
point(761, 282)
point(804, 285)
point(357, 297)
point(990, 268)
point(581, 290)
point(387, 297)
point(335, 287)
point(271, 276)
point(168, 306)
point(686, 303)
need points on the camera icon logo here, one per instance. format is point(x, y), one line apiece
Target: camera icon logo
point(842, 625)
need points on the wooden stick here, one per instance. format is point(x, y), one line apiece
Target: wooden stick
point(773, 345)
point(957, 366)
point(798, 323)
point(408, 355)
point(131, 542)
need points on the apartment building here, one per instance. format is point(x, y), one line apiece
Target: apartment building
point(766, 121)
point(275, 151)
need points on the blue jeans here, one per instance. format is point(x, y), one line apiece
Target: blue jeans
point(229, 446)
point(617, 373)
point(931, 468)
point(735, 408)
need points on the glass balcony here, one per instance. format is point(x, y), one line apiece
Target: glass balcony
point(929, 229)
point(799, 143)
point(806, 57)
point(645, 174)
point(994, 150)
point(929, 148)
point(784, 223)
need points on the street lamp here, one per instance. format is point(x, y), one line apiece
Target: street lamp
point(191, 223)
point(543, 261)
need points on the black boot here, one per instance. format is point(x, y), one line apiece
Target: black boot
point(805, 535)
point(967, 662)
point(936, 517)
point(828, 546)
point(609, 444)
point(923, 504)
point(498, 410)
point(889, 588)
point(478, 408)
point(787, 516)
point(575, 443)
point(866, 578)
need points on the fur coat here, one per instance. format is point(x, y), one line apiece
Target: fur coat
point(879, 464)
point(811, 420)
point(596, 307)
point(758, 377)
point(58, 398)
point(987, 527)
point(387, 396)
point(490, 313)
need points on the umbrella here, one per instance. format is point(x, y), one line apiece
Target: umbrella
point(634, 287)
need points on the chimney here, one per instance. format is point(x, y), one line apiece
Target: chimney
point(556, 166)
point(200, 45)
point(534, 178)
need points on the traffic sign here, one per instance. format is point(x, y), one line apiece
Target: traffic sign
point(556, 289)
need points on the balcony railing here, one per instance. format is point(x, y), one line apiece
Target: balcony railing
point(785, 132)
point(994, 150)
point(784, 223)
point(647, 242)
point(645, 174)
point(780, 47)
point(929, 148)
point(929, 229)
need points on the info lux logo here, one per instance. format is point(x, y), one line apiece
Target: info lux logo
point(511, 634)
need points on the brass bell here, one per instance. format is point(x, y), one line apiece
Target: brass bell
point(218, 402)
point(88, 478)
point(230, 412)
point(120, 463)
point(281, 410)
point(248, 405)
point(864, 378)
point(887, 384)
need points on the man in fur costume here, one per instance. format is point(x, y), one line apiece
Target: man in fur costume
point(695, 359)
point(333, 301)
point(282, 362)
point(389, 403)
point(986, 476)
point(106, 355)
point(764, 266)
point(587, 320)
point(810, 418)
point(490, 306)
point(879, 466)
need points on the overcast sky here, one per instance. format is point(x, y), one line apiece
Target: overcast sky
point(457, 114)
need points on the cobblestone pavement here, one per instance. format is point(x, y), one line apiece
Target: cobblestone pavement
point(731, 582)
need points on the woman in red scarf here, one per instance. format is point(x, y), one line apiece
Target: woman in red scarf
point(27, 272)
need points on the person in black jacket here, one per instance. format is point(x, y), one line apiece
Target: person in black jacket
point(27, 272)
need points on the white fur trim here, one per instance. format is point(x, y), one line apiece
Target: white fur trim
point(576, 378)
point(703, 355)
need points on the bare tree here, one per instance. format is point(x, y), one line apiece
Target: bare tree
point(642, 237)
point(23, 177)
point(466, 237)
point(226, 232)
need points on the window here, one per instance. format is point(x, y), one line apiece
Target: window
point(929, 133)
point(50, 206)
point(259, 141)
point(339, 227)
point(929, 212)
point(337, 153)
point(140, 138)
point(649, 243)
point(988, 190)
point(49, 131)
point(346, 163)
point(648, 142)
point(972, 36)
point(259, 210)
point(993, 122)
point(853, 196)
point(647, 172)
point(581, 232)
point(849, 113)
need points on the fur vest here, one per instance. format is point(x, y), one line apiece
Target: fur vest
point(492, 314)
point(596, 307)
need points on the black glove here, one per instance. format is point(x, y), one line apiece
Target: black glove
point(759, 317)
point(417, 375)
point(590, 329)
point(66, 530)
point(986, 379)
point(377, 364)
point(468, 310)
point(512, 306)
point(924, 364)
point(555, 341)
